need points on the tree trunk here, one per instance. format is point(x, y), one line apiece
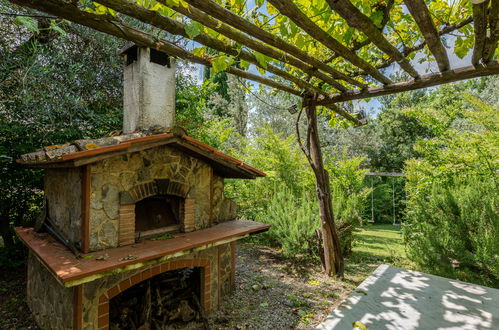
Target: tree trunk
point(333, 258)
point(5, 231)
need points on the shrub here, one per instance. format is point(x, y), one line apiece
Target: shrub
point(294, 220)
point(287, 200)
point(349, 198)
point(453, 230)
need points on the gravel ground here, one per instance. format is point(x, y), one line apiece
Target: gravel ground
point(275, 293)
point(14, 313)
point(271, 293)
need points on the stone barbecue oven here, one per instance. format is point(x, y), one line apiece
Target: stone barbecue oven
point(136, 230)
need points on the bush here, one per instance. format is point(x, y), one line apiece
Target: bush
point(294, 220)
point(453, 230)
point(287, 200)
point(349, 198)
point(452, 221)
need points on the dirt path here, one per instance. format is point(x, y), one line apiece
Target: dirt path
point(275, 293)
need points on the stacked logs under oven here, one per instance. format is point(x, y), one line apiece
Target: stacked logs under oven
point(167, 301)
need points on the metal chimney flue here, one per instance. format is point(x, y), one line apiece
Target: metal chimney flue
point(149, 89)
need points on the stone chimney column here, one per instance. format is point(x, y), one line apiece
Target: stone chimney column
point(149, 89)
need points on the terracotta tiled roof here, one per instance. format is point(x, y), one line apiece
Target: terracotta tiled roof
point(82, 152)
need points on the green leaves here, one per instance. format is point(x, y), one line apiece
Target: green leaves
point(199, 51)
point(377, 17)
point(54, 26)
point(463, 46)
point(262, 59)
point(359, 325)
point(28, 22)
point(244, 64)
point(193, 29)
point(173, 3)
point(221, 63)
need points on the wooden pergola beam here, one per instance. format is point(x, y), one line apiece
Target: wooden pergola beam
point(409, 50)
point(289, 9)
point(233, 34)
point(107, 24)
point(336, 108)
point(174, 27)
point(228, 18)
point(425, 81)
point(480, 27)
point(356, 19)
point(491, 42)
point(384, 21)
point(423, 19)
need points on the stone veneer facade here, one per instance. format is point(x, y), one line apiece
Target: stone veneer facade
point(50, 299)
point(115, 179)
point(63, 190)
point(101, 197)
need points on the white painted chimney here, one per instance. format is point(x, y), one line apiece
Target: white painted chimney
point(149, 89)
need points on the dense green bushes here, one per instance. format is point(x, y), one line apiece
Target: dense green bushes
point(453, 230)
point(294, 220)
point(286, 198)
point(349, 198)
point(452, 210)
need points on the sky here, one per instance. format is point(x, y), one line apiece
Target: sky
point(373, 106)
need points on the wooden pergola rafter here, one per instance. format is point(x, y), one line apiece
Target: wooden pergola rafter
point(306, 74)
point(334, 72)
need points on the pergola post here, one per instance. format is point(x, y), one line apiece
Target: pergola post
point(333, 258)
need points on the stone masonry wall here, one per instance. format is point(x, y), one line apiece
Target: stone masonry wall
point(225, 269)
point(50, 302)
point(111, 176)
point(63, 189)
point(221, 272)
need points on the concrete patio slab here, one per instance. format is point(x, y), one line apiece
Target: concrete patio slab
point(395, 298)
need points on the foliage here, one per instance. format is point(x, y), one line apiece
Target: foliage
point(279, 157)
point(294, 220)
point(191, 110)
point(453, 230)
point(53, 89)
point(397, 133)
point(465, 142)
point(452, 191)
point(349, 198)
point(286, 197)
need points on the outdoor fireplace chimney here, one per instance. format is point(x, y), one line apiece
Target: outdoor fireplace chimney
point(149, 89)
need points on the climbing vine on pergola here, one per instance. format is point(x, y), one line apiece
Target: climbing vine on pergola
point(326, 51)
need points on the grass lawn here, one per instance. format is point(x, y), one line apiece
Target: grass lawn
point(380, 242)
point(376, 244)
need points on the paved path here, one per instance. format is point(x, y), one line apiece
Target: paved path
point(400, 299)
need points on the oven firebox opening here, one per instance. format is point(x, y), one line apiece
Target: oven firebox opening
point(168, 300)
point(158, 215)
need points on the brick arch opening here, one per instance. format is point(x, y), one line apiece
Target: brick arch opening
point(155, 187)
point(140, 192)
point(204, 264)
